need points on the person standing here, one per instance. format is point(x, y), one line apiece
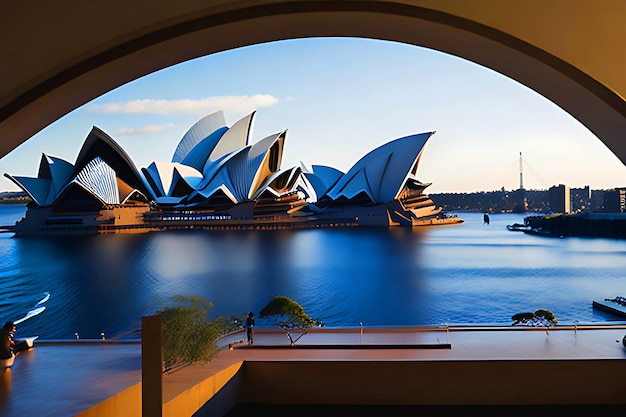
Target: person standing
point(250, 327)
point(6, 340)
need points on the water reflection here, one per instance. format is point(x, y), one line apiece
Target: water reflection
point(469, 273)
point(5, 387)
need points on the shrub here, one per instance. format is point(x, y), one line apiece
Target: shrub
point(541, 317)
point(289, 316)
point(188, 334)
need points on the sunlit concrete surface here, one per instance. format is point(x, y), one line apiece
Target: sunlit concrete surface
point(466, 344)
point(63, 379)
point(67, 378)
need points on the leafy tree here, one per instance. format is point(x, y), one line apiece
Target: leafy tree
point(188, 334)
point(541, 317)
point(289, 316)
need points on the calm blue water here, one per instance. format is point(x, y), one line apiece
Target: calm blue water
point(469, 273)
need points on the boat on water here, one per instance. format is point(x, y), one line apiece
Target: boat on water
point(517, 227)
point(615, 306)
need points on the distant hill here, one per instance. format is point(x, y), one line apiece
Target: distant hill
point(14, 197)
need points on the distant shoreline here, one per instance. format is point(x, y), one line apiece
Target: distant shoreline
point(14, 197)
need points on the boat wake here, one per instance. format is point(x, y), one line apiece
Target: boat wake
point(46, 297)
point(35, 311)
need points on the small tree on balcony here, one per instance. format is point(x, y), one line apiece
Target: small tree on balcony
point(540, 318)
point(289, 316)
point(188, 334)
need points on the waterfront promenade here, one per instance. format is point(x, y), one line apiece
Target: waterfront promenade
point(65, 379)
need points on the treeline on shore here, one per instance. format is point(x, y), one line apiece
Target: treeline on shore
point(14, 197)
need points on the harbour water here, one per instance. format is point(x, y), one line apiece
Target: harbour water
point(469, 273)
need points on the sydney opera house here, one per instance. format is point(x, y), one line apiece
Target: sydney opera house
point(218, 180)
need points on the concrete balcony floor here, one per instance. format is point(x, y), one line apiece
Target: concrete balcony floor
point(66, 378)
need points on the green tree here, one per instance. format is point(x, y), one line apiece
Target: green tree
point(188, 334)
point(540, 318)
point(289, 316)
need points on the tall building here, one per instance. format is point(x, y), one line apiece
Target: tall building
point(560, 201)
point(614, 201)
point(581, 199)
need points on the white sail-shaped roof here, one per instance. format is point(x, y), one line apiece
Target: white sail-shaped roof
point(382, 173)
point(57, 169)
point(53, 174)
point(235, 138)
point(280, 183)
point(166, 177)
point(197, 133)
point(99, 144)
point(244, 172)
point(264, 160)
point(322, 178)
point(184, 180)
point(357, 184)
point(199, 155)
point(36, 188)
point(222, 182)
point(154, 173)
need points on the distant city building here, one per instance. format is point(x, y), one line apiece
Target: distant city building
point(520, 201)
point(581, 199)
point(560, 201)
point(614, 201)
point(218, 180)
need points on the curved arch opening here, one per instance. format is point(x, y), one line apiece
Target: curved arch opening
point(74, 81)
point(340, 98)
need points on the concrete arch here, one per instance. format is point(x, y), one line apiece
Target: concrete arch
point(56, 56)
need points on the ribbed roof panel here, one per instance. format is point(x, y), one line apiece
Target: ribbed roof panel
point(99, 179)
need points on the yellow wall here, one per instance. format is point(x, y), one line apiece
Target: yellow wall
point(488, 382)
point(128, 402)
point(190, 401)
point(125, 404)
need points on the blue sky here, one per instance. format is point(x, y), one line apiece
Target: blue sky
point(339, 99)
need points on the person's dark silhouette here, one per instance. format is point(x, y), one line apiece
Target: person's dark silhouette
point(249, 324)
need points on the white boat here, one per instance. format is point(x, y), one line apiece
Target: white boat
point(517, 227)
point(25, 344)
point(21, 345)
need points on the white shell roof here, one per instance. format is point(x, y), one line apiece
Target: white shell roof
point(212, 158)
point(235, 138)
point(57, 169)
point(197, 133)
point(382, 173)
point(36, 188)
point(53, 175)
point(198, 156)
point(166, 175)
point(244, 172)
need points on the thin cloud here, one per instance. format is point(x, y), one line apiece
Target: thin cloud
point(188, 106)
point(128, 131)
